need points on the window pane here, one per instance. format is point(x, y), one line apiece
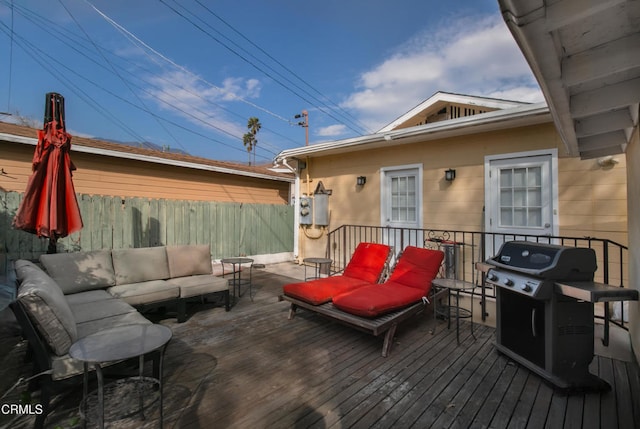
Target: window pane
point(519, 177)
point(519, 217)
point(505, 178)
point(506, 197)
point(520, 198)
point(535, 217)
point(506, 217)
point(534, 177)
point(534, 197)
point(411, 214)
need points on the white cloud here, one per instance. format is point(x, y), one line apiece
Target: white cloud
point(331, 130)
point(475, 56)
point(198, 101)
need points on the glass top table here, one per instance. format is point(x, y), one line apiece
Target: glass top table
point(236, 264)
point(450, 310)
point(120, 343)
point(318, 263)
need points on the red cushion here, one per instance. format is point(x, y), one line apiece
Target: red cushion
point(375, 300)
point(409, 282)
point(368, 262)
point(319, 291)
point(416, 268)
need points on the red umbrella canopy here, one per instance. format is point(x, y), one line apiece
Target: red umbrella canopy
point(50, 207)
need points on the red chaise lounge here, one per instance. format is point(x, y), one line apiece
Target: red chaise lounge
point(367, 266)
point(379, 308)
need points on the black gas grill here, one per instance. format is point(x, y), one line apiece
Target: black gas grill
point(544, 309)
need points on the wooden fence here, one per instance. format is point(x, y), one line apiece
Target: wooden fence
point(231, 229)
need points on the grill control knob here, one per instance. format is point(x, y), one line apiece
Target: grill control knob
point(527, 288)
point(492, 277)
point(508, 282)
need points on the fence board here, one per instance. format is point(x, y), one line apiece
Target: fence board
point(231, 229)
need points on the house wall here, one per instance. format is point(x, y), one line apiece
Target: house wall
point(103, 175)
point(592, 200)
point(633, 191)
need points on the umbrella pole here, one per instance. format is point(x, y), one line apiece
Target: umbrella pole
point(53, 247)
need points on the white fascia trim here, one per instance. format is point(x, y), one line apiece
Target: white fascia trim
point(146, 158)
point(492, 103)
point(500, 119)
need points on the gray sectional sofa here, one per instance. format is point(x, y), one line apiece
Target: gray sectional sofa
point(78, 294)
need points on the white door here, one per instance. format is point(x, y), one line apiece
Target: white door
point(521, 198)
point(401, 205)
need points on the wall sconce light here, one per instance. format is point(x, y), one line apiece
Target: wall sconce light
point(361, 180)
point(449, 175)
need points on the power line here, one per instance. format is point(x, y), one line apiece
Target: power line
point(124, 81)
point(242, 57)
point(115, 24)
point(45, 25)
point(347, 114)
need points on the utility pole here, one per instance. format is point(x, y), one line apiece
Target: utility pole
point(305, 124)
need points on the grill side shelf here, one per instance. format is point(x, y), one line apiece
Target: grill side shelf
point(595, 292)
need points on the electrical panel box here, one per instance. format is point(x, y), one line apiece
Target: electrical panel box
point(321, 209)
point(306, 210)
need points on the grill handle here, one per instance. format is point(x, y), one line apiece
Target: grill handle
point(533, 323)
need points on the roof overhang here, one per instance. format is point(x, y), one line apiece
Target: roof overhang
point(521, 116)
point(586, 58)
point(147, 158)
point(441, 97)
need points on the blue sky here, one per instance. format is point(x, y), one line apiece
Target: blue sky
point(189, 73)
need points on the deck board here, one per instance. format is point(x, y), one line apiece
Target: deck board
point(251, 367)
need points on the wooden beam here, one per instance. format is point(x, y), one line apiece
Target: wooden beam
point(604, 60)
point(597, 153)
point(601, 141)
point(605, 122)
point(566, 12)
point(609, 97)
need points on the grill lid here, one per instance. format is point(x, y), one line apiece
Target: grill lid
point(548, 261)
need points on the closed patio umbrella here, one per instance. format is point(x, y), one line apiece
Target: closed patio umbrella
point(50, 207)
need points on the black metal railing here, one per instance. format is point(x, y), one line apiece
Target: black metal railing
point(463, 249)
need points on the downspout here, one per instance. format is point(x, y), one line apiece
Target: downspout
point(296, 207)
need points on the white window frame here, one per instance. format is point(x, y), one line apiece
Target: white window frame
point(384, 196)
point(553, 153)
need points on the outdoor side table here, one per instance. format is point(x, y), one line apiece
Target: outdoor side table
point(454, 310)
point(237, 274)
point(318, 263)
point(120, 343)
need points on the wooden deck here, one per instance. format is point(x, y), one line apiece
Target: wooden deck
point(253, 368)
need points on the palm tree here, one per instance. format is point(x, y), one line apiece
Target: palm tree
point(249, 139)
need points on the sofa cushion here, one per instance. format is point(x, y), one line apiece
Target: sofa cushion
point(145, 292)
point(65, 367)
point(189, 260)
point(140, 265)
point(199, 285)
point(88, 296)
point(319, 291)
point(368, 262)
point(96, 310)
point(375, 300)
point(46, 306)
point(80, 271)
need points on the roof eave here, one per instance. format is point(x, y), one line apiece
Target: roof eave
point(591, 83)
point(501, 119)
point(153, 159)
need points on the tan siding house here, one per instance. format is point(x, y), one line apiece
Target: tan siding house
point(564, 195)
point(105, 168)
